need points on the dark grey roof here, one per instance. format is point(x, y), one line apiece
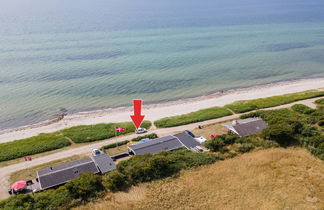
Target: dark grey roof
point(247, 127)
point(165, 143)
point(104, 163)
point(63, 173)
point(187, 140)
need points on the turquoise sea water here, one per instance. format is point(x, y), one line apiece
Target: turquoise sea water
point(85, 56)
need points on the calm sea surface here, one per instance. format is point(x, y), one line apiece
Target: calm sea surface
point(86, 55)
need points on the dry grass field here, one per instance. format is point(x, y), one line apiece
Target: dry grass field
point(268, 179)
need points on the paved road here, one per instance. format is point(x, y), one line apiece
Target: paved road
point(7, 170)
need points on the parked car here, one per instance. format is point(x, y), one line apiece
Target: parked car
point(140, 130)
point(201, 139)
point(96, 152)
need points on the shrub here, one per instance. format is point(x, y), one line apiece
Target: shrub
point(249, 105)
point(31, 146)
point(199, 116)
point(19, 202)
point(90, 133)
point(321, 123)
point(245, 147)
point(150, 136)
point(301, 108)
point(148, 167)
point(215, 145)
point(60, 198)
point(266, 144)
point(320, 101)
point(86, 187)
point(109, 146)
point(281, 133)
point(116, 181)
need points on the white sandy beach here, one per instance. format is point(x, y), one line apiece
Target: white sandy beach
point(157, 111)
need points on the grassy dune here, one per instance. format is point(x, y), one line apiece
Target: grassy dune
point(268, 179)
point(237, 107)
point(193, 117)
point(249, 105)
point(32, 145)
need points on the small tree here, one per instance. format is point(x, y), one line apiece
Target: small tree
point(85, 187)
point(116, 181)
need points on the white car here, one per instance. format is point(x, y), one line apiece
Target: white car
point(96, 152)
point(200, 139)
point(140, 130)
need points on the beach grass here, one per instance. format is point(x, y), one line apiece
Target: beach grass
point(193, 117)
point(90, 133)
point(250, 105)
point(32, 145)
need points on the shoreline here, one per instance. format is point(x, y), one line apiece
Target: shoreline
point(153, 112)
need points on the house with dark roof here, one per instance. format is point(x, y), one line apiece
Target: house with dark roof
point(166, 143)
point(60, 174)
point(246, 127)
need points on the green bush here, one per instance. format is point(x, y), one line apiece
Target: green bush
point(150, 136)
point(250, 105)
point(19, 202)
point(90, 133)
point(245, 147)
point(149, 167)
point(86, 187)
point(31, 146)
point(193, 117)
point(321, 123)
point(320, 101)
point(266, 144)
point(114, 145)
point(215, 145)
point(116, 181)
point(303, 109)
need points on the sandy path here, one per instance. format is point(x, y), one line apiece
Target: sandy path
point(158, 111)
point(6, 171)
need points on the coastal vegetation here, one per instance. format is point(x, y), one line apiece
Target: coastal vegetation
point(320, 101)
point(32, 145)
point(286, 127)
point(88, 186)
point(51, 141)
point(267, 179)
point(90, 133)
point(289, 127)
point(236, 107)
point(193, 117)
point(117, 144)
point(250, 105)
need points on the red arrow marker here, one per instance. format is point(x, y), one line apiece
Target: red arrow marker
point(137, 117)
